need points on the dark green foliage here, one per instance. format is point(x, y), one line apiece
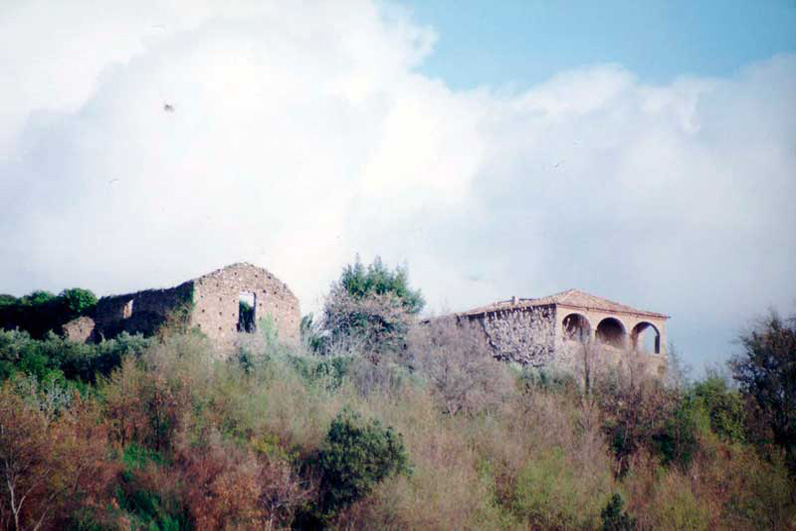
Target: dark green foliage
point(675, 440)
point(766, 372)
point(377, 279)
point(357, 455)
point(148, 509)
point(328, 372)
point(614, 518)
point(41, 311)
point(78, 300)
point(137, 457)
point(54, 358)
point(724, 407)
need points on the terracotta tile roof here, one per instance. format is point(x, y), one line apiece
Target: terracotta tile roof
point(572, 298)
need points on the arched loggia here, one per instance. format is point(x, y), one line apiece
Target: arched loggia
point(576, 328)
point(612, 332)
point(646, 338)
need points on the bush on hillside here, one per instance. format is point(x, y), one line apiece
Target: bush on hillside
point(457, 363)
point(356, 456)
point(54, 358)
point(614, 517)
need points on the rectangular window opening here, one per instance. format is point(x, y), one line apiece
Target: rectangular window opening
point(127, 311)
point(247, 318)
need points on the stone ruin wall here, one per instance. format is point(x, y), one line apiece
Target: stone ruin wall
point(143, 311)
point(211, 302)
point(216, 303)
point(79, 330)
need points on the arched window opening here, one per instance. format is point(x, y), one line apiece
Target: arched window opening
point(247, 304)
point(611, 332)
point(576, 328)
point(647, 338)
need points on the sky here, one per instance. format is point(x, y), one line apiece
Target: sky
point(644, 154)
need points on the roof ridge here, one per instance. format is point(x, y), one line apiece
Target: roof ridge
point(571, 297)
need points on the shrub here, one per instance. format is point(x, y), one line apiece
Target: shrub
point(458, 364)
point(644, 415)
point(614, 518)
point(356, 456)
point(549, 493)
point(54, 358)
point(53, 459)
point(675, 441)
point(724, 407)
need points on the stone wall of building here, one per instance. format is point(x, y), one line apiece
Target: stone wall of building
point(525, 336)
point(564, 336)
point(216, 303)
point(142, 312)
point(211, 303)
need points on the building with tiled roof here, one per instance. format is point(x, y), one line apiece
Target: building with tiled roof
point(536, 331)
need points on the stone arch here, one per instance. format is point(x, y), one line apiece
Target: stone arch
point(576, 327)
point(649, 335)
point(611, 331)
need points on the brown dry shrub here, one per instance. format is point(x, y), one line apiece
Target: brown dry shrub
point(52, 463)
point(224, 486)
point(145, 406)
point(458, 364)
point(220, 487)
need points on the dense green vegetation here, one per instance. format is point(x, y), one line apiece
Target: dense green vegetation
point(427, 433)
point(41, 311)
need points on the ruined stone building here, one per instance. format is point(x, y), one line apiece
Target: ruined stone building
point(213, 303)
point(551, 330)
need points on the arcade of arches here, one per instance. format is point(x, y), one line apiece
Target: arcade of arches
point(610, 331)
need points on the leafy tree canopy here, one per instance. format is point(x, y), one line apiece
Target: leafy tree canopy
point(377, 279)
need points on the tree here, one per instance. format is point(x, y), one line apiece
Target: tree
point(370, 309)
point(77, 301)
point(766, 372)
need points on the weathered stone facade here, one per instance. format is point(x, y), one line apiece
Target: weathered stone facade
point(210, 303)
point(216, 296)
point(555, 330)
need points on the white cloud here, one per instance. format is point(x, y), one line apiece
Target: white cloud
point(303, 133)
